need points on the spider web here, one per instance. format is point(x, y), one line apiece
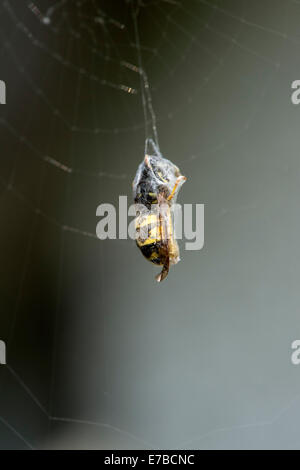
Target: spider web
point(73, 68)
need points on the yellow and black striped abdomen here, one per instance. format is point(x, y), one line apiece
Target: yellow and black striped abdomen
point(155, 238)
point(148, 238)
point(153, 253)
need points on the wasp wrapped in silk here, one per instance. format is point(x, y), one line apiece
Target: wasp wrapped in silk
point(155, 190)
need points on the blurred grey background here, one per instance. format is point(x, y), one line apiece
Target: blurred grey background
point(98, 354)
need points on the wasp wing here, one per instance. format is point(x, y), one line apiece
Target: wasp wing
point(164, 221)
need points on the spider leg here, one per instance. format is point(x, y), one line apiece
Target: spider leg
point(147, 162)
point(178, 181)
point(165, 271)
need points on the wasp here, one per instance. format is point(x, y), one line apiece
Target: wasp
point(155, 187)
